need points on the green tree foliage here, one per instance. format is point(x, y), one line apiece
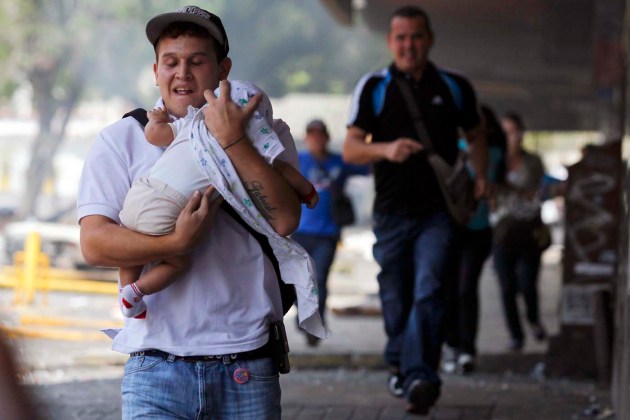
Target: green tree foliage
point(296, 46)
point(51, 46)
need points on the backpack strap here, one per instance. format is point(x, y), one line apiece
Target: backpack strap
point(287, 291)
point(378, 94)
point(454, 88)
point(139, 114)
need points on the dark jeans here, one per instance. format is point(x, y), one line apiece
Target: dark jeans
point(517, 270)
point(470, 252)
point(412, 254)
point(322, 249)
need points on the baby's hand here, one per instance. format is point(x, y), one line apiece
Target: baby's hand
point(158, 115)
point(311, 199)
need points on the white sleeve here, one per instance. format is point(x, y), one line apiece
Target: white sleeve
point(104, 181)
point(120, 155)
point(289, 154)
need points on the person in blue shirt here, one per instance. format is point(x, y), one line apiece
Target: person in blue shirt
point(318, 233)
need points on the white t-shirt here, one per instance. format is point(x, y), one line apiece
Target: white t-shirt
point(227, 298)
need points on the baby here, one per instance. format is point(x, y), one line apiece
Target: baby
point(154, 202)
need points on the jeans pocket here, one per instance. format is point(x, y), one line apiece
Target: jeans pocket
point(262, 370)
point(141, 363)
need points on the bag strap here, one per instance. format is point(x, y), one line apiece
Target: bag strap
point(414, 111)
point(287, 291)
point(139, 114)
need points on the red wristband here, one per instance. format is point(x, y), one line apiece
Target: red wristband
point(308, 197)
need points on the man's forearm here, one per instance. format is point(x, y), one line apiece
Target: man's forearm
point(478, 147)
point(269, 191)
point(358, 152)
point(107, 244)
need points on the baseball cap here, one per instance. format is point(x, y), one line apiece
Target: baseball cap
point(193, 14)
point(317, 125)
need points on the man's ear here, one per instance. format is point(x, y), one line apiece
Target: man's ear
point(155, 73)
point(224, 68)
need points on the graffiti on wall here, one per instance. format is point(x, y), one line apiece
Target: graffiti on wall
point(592, 215)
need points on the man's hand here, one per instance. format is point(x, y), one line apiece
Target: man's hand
point(196, 218)
point(399, 150)
point(224, 119)
point(359, 150)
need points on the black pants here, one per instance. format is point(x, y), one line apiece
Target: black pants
point(462, 308)
point(517, 270)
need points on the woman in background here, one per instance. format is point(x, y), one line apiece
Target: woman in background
point(520, 236)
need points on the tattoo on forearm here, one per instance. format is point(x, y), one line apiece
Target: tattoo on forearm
point(255, 191)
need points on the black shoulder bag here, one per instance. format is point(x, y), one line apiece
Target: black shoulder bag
point(456, 183)
point(341, 208)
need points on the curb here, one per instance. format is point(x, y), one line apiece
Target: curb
point(336, 361)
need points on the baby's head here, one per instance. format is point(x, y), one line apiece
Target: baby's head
point(242, 91)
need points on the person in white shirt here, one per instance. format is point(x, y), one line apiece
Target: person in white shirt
point(204, 348)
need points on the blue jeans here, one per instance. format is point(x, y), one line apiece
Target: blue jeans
point(322, 249)
point(158, 388)
point(412, 254)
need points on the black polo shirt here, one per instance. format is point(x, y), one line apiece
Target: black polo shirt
point(447, 102)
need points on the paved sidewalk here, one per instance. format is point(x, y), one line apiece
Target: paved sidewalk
point(353, 288)
point(359, 395)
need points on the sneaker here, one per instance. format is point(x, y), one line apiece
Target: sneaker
point(465, 363)
point(395, 384)
point(449, 359)
point(421, 396)
point(515, 345)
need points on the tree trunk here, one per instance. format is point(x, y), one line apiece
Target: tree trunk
point(53, 120)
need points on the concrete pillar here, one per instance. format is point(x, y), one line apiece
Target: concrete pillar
point(612, 75)
point(609, 67)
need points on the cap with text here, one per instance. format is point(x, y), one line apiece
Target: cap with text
point(193, 14)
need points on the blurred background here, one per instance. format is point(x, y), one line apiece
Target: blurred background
point(70, 67)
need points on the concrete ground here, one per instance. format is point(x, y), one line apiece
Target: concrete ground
point(74, 375)
point(332, 394)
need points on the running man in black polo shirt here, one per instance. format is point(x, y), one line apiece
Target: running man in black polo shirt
point(413, 228)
